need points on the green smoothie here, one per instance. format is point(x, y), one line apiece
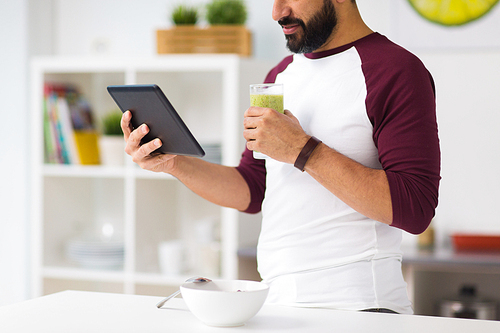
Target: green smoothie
point(267, 101)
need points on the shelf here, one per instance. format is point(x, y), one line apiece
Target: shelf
point(82, 274)
point(449, 259)
point(88, 171)
point(159, 279)
point(170, 63)
point(210, 92)
point(248, 252)
point(99, 171)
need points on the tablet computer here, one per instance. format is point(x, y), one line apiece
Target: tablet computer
point(150, 106)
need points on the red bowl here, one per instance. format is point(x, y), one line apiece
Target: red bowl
point(476, 242)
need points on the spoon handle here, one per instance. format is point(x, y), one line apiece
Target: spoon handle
point(160, 304)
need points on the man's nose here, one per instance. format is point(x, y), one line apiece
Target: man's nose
point(280, 9)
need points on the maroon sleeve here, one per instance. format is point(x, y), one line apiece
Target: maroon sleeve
point(401, 105)
point(254, 172)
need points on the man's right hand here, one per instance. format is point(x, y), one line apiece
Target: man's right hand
point(141, 154)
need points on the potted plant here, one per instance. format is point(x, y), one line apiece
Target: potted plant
point(185, 15)
point(111, 142)
point(226, 32)
point(226, 12)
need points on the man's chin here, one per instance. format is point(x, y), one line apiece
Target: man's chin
point(293, 43)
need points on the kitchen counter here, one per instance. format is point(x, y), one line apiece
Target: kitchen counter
point(442, 258)
point(438, 275)
point(76, 311)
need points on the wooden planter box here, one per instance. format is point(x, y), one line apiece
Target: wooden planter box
point(213, 39)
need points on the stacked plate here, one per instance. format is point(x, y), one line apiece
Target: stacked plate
point(95, 253)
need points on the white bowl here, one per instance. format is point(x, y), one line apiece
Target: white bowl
point(224, 302)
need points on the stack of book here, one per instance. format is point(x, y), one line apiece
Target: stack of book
point(69, 130)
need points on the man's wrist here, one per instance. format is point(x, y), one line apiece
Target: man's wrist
point(305, 153)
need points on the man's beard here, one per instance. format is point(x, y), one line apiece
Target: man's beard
point(316, 33)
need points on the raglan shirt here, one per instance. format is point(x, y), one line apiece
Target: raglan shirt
point(374, 102)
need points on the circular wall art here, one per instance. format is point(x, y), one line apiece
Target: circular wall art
point(452, 12)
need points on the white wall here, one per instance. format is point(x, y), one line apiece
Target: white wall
point(127, 27)
point(468, 99)
point(464, 62)
point(14, 205)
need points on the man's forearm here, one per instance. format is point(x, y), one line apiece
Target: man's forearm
point(364, 189)
point(218, 184)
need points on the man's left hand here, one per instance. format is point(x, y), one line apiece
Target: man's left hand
point(277, 135)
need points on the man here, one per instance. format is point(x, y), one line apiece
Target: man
point(356, 162)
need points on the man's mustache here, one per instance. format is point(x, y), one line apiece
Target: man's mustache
point(288, 20)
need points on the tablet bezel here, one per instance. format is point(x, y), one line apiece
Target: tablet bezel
point(150, 106)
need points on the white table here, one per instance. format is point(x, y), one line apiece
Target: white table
point(76, 311)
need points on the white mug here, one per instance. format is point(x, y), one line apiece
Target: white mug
point(171, 257)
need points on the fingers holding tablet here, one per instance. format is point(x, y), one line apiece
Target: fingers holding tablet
point(146, 104)
point(134, 148)
point(125, 124)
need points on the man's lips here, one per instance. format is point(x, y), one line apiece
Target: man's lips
point(290, 28)
point(290, 25)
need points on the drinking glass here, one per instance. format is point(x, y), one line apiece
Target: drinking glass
point(268, 95)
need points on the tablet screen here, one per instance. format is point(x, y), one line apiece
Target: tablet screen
point(150, 106)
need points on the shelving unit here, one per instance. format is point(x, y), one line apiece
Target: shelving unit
point(144, 208)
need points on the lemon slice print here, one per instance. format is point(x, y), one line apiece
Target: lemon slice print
point(452, 12)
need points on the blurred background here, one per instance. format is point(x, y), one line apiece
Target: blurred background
point(464, 60)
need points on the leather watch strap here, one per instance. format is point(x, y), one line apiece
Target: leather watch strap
point(306, 152)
